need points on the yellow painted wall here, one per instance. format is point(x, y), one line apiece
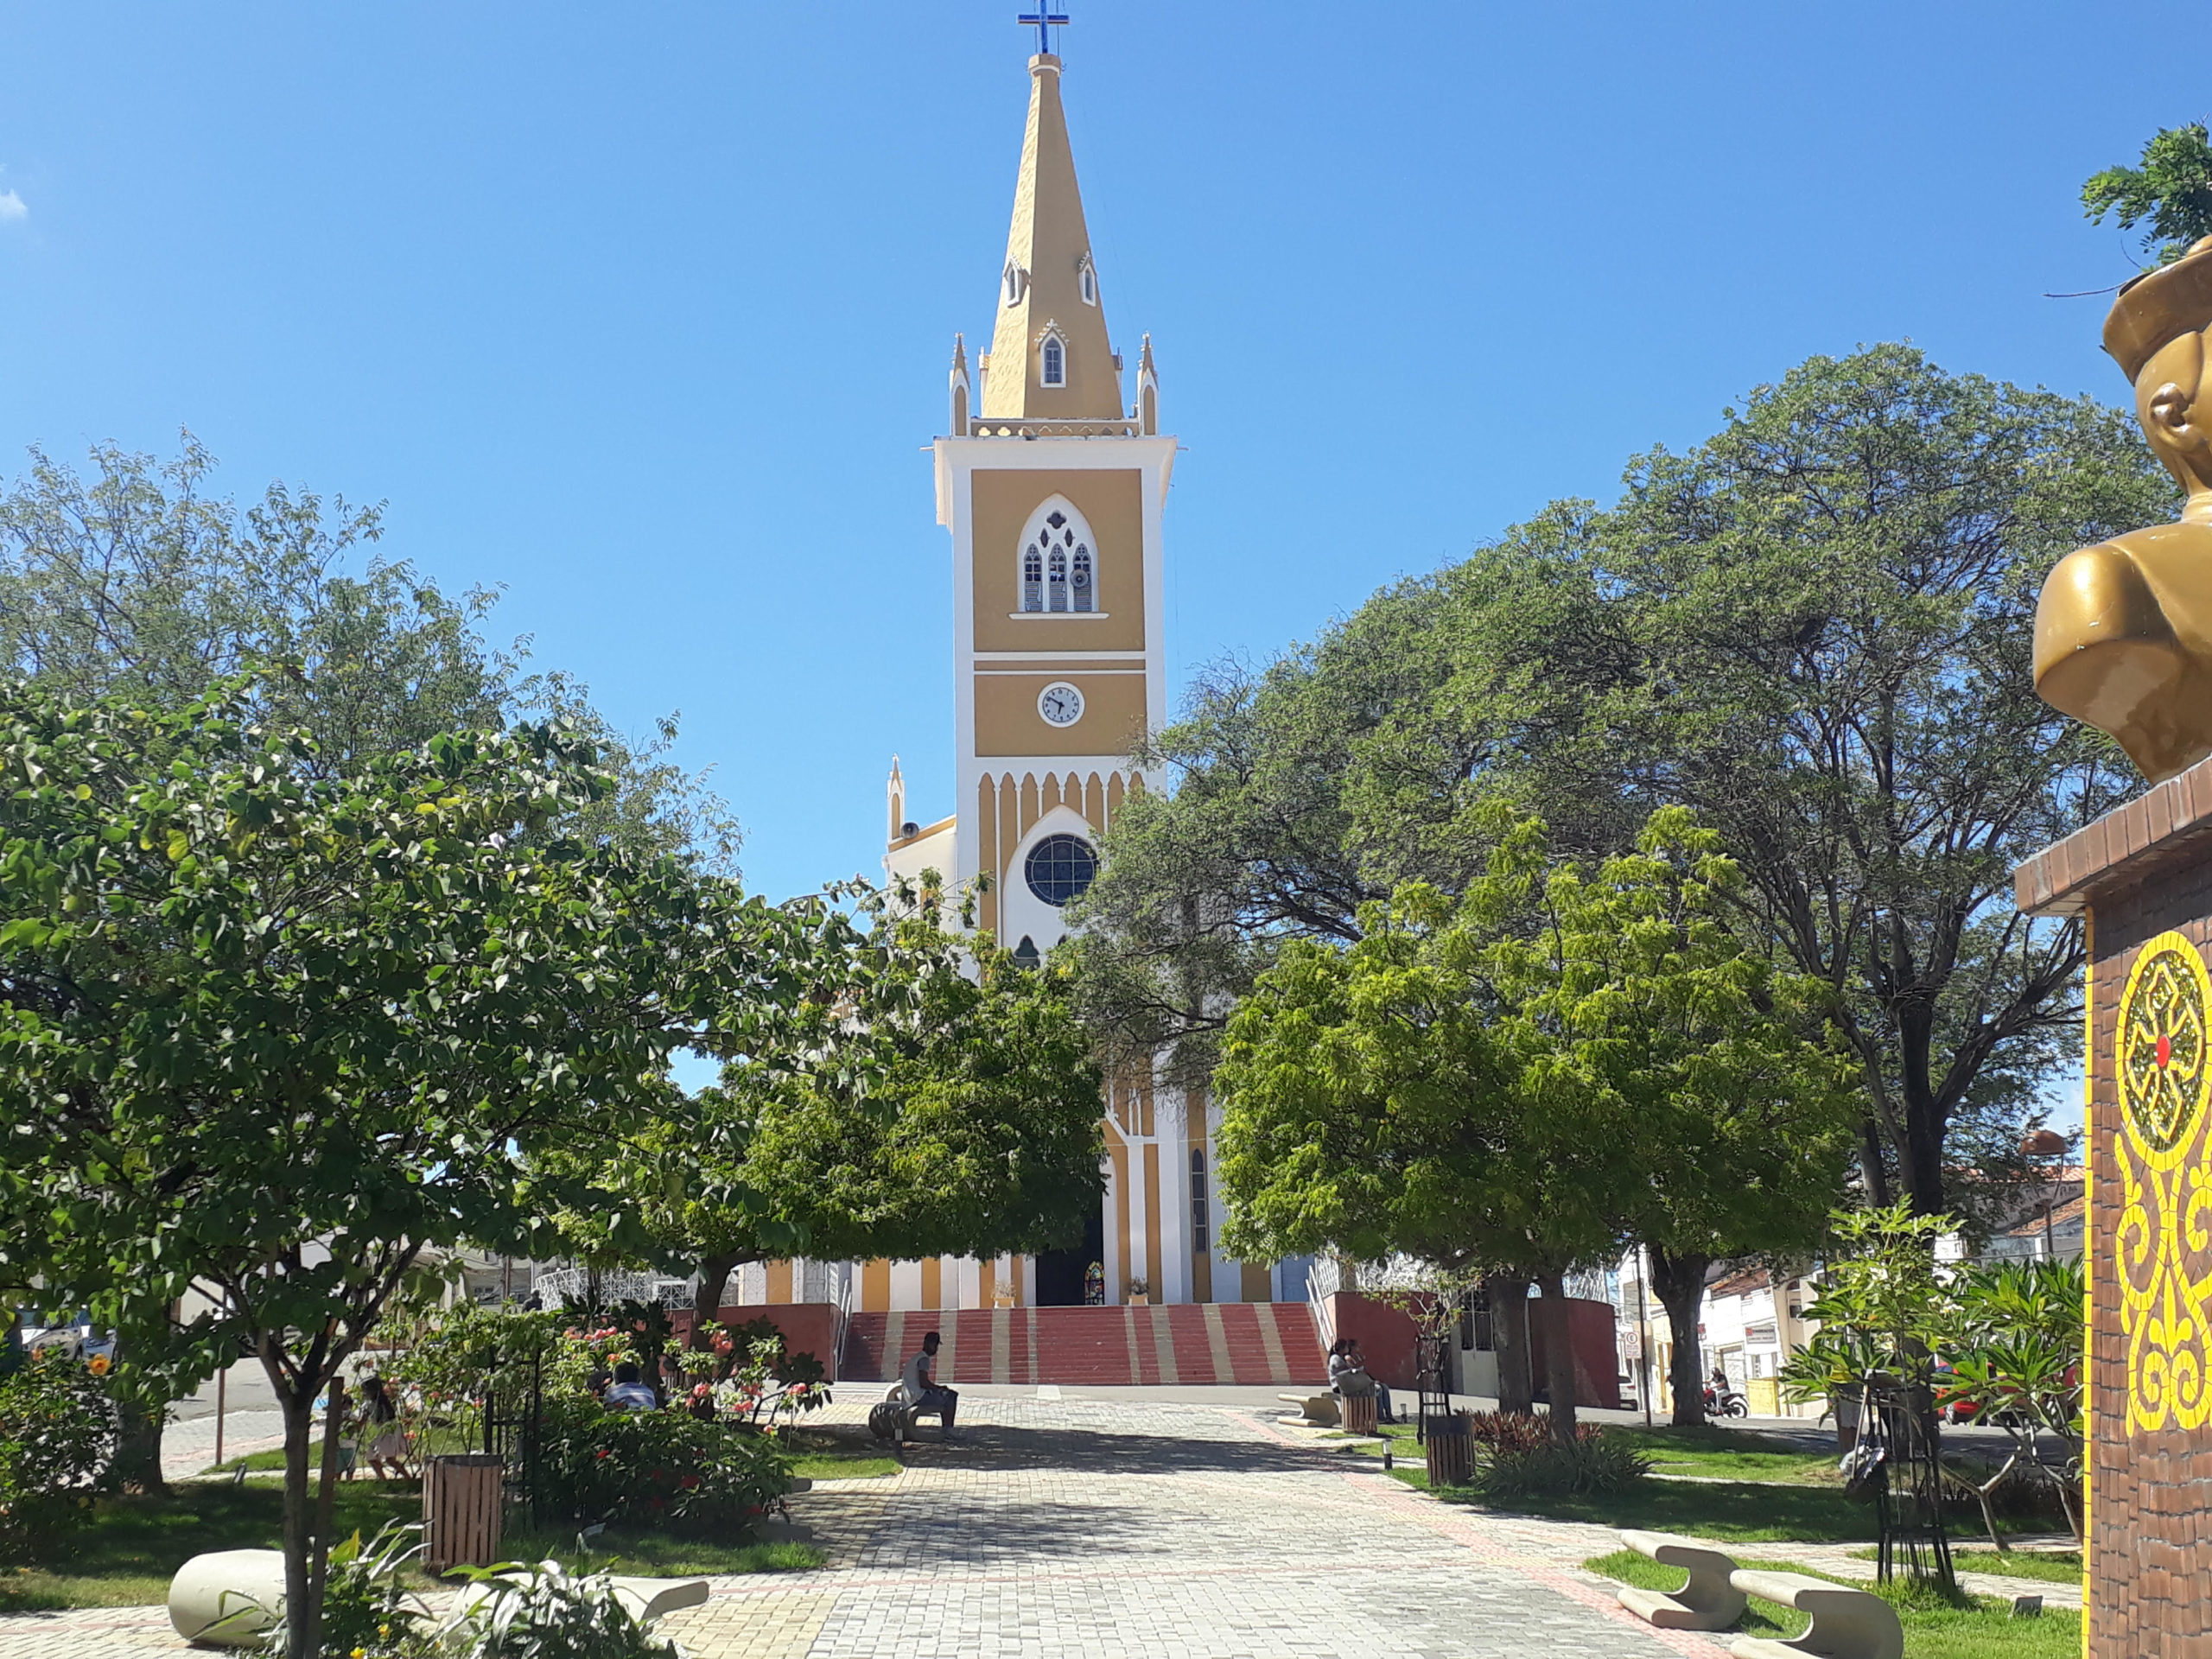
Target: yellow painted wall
point(1114, 502)
point(1006, 720)
point(875, 1287)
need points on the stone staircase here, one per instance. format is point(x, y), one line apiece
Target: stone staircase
point(1250, 1343)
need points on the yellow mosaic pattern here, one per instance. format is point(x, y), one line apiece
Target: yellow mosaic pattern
point(2163, 1056)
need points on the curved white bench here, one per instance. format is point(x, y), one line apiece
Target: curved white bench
point(1847, 1624)
point(1708, 1602)
point(227, 1598)
point(1317, 1410)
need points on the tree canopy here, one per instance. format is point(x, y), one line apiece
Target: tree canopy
point(1565, 1059)
point(963, 1119)
point(272, 1032)
point(1814, 629)
point(2170, 195)
point(139, 581)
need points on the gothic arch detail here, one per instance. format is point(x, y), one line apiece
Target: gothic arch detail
point(1060, 560)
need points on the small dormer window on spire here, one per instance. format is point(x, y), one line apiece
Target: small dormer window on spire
point(1053, 362)
point(1086, 281)
point(1017, 280)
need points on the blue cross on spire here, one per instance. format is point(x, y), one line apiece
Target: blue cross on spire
point(1045, 20)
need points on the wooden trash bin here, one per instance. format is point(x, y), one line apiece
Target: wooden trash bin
point(461, 1499)
point(1451, 1450)
point(1359, 1414)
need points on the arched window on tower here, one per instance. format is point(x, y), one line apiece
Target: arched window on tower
point(1053, 371)
point(1059, 567)
point(1087, 281)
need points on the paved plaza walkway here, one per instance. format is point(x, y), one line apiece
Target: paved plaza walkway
point(1118, 1528)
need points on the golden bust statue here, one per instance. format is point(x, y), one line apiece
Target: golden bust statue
point(2124, 629)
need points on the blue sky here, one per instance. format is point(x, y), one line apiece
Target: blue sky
point(644, 312)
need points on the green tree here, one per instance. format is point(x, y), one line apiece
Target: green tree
point(271, 1033)
point(964, 1121)
point(1814, 629)
point(2171, 192)
point(1566, 1059)
point(135, 579)
point(1730, 1103)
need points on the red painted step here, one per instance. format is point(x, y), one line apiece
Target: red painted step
point(1250, 1343)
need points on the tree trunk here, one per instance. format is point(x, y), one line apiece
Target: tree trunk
point(1679, 1282)
point(1507, 1295)
point(1872, 1169)
point(300, 1641)
point(137, 1466)
point(707, 1300)
point(1558, 1355)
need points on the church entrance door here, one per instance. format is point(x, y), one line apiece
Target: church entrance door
point(1059, 1272)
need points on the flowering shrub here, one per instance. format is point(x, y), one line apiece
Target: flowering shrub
point(666, 1468)
point(57, 1436)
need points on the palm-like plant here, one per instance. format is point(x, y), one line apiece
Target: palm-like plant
point(2017, 1361)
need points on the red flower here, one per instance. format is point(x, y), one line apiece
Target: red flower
point(690, 1483)
point(602, 1453)
point(660, 1503)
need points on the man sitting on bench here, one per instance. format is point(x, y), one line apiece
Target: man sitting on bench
point(923, 1395)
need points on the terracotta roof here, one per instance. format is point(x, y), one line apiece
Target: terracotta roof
point(1736, 1283)
point(2061, 1215)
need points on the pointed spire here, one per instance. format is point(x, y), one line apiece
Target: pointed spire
point(895, 798)
point(1050, 348)
point(1147, 408)
point(962, 395)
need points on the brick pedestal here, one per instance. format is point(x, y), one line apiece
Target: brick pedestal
point(2140, 878)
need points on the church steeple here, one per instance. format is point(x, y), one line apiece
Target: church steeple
point(1050, 355)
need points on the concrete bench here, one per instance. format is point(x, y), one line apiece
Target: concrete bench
point(891, 1419)
point(1847, 1624)
point(1317, 1410)
point(1708, 1602)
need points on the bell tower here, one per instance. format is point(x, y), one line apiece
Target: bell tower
point(1053, 489)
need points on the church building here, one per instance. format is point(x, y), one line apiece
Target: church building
point(1054, 490)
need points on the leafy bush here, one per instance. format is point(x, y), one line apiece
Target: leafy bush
point(1515, 1456)
point(666, 1468)
point(57, 1436)
point(366, 1615)
point(543, 1613)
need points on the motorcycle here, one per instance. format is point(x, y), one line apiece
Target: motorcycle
point(1726, 1402)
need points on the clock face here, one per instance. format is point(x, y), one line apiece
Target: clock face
point(1060, 703)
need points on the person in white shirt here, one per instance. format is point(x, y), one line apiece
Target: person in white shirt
point(918, 1381)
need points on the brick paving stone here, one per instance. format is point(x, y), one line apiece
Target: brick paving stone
point(1089, 1529)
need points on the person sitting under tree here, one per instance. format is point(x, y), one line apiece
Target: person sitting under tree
point(919, 1382)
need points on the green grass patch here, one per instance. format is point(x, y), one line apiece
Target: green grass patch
point(2049, 1567)
point(656, 1554)
point(127, 1550)
point(1744, 1514)
point(844, 1465)
point(1729, 1454)
point(1935, 1626)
